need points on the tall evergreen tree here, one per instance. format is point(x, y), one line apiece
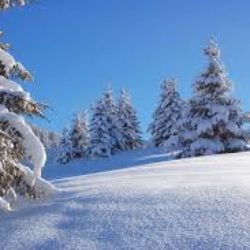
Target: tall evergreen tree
point(215, 118)
point(167, 115)
point(104, 132)
point(79, 137)
point(17, 140)
point(128, 124)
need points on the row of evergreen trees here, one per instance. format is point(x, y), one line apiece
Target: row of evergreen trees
point(212, 121)
point(113, 127)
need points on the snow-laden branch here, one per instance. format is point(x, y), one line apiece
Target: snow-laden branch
point(10, 85)
point(34, 149)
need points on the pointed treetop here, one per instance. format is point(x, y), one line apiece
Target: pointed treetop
point(125, 95)
point(212, 50)
point(169, 84)
point(81, 115)
point(123, 91)
point(108, 92)
point(108, 87)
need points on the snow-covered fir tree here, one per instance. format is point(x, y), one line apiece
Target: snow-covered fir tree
point(79, 136)
point(65, 148)
point(100, 141)
point(5, 4)
point(164, 128)
point(104, 131)
point(17, 140)
point(170, 119)
point(128, 123)
point(215, 121)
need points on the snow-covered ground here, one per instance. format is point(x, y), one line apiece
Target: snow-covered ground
point(149, 203)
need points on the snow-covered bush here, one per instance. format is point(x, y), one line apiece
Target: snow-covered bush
point(215, 122)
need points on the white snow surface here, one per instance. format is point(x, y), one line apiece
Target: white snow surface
point(139, 201)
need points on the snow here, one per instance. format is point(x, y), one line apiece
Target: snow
point(209, 146)
point(41, 185)
point(204, 126)
point(9, 85)
point(21, 69)
point(151, 203)
point(7, 61)
point(4, 205)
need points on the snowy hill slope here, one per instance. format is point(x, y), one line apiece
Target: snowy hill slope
point(122, 160)
point(201, 203)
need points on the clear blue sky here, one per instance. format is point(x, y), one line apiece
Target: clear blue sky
point(76, 48)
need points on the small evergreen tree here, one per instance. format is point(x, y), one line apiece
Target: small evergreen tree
point(78, 136)
point(100, 141)
point(128, 124)
point(215, 118)
point(167, 115)
point(112, 121)
point(65, 148)
point(104, 131)
point(174, 113)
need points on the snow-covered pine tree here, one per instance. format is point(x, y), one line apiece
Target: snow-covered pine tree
point(167, 115)
point(128, 123)
point(100, 141)
point(65, 148)
point(17, 139)
point(215, 118)
point(104, 131)
point(78, 136)
point(170, 119)
point(5, 4)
